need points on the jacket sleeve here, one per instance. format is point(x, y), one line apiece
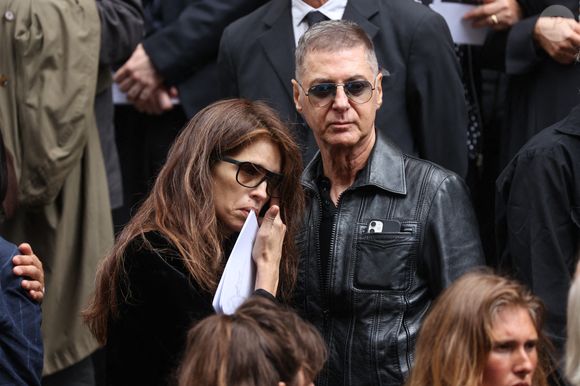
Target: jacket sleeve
point(537, 233)
point(522, 53)
point(121, 29)
point(515, 51)
point(20, 337)
point(193, 39)
point(57, 81)
point(226, 68)
point(436, 97)
point(451, 245)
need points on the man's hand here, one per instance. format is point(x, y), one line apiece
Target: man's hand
point(158, 102)
point(559, 37)
point(29, 266)
point(137, 77)
point(497, 14)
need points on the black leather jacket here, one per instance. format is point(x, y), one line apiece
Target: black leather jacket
point(380, 285)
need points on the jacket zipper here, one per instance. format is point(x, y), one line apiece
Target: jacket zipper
point(326, 282)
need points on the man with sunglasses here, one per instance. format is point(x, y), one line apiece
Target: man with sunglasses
point(426, 112)
point(384, 231)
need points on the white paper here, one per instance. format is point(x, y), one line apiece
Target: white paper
point(238, 280)
point(461, 30)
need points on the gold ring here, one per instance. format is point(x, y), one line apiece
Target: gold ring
point(494, 19)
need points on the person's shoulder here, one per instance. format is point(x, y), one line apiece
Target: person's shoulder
point(411, 10)
point(249, 22)
point(548, 149)
point(151, 251)
point(433, 172)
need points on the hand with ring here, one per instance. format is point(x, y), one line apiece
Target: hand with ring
point(497, 14)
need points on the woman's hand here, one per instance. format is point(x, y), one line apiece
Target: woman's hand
point(497, 14)
point(267, 251)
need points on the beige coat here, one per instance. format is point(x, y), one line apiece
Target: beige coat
point(48, 64)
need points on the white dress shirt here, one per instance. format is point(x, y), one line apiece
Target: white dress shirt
point(332, 9)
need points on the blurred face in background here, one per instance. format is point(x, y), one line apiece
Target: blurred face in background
point(513, 357)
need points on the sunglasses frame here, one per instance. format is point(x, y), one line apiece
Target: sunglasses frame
point(333, 93)
point(276, 178)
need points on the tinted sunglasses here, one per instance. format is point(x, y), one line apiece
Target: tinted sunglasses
point(250, 175)
point(322, 94)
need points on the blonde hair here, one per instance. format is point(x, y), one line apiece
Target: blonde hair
point(573, 339)
point(455, 338)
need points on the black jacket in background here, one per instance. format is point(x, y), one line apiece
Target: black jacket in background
point(185, 48)
point(540, 91)
point(121, 31)
point(538, 218)
point(423, 108)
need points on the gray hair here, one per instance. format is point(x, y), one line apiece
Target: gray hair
point(334, 35)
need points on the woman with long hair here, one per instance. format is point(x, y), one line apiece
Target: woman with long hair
point(233, 157)
point(261, 344)
point(484, 330)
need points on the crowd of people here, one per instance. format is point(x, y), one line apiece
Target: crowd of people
point(418, 200)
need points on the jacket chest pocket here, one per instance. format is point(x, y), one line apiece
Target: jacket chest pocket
point(385, 261)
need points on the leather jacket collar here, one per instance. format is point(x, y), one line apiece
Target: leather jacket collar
point(385, 168)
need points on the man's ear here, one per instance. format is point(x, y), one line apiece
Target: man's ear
point(296, 93)
point(379, 89)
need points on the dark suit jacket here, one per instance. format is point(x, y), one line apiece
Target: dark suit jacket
point(185, 49)
point(121, 31)
point(540, 90)
point(423, 104)
point(20, 318)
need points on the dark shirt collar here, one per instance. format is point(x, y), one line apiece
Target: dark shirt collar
point(571, 124)
point(385, 168)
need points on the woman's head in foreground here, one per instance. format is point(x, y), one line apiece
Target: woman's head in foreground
point(484, 330)
point(261, 344)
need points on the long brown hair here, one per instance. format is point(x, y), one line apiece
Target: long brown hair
point(180, 206)
point(455, 338)
point(260, 344)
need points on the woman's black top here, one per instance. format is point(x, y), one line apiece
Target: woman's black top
point(162, 301)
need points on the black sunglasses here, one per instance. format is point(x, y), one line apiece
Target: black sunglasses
point(322, 94)
point(250, 175)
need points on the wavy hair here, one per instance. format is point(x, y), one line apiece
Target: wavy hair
point(573, 338)
point(455, 338)
point(180, 206)
point(260, 344)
